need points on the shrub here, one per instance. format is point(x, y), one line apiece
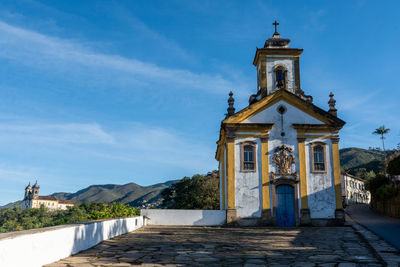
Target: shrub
point(385, 191)
point(17, 219)
point(373, 183)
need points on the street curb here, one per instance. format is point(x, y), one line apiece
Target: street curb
point(388, 254)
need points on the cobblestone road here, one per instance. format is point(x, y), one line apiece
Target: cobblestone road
point(212, 246)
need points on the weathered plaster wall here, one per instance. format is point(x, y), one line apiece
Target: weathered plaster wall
point(292, 115)
point(288, 64)
point(320, 186)
point(184, 217)
point(46, 245)
point(248, 184)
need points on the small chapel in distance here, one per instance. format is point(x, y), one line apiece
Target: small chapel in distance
point(279, 157)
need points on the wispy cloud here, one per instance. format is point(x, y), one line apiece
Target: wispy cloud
point(137, 143)
point(20, 174)
point(147, 34)
point(352, 100)
point(42, 51)
point(55, 133)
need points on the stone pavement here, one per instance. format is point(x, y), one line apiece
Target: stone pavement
point(222, 246)
point(385, 251)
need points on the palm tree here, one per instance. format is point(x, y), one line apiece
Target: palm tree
point(382, 131)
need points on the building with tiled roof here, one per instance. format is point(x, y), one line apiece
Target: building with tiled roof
point(33, 200)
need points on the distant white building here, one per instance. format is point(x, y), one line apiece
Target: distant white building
point(33, 200)
point(353, 190)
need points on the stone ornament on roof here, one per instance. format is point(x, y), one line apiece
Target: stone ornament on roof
point(231, 108)
point(300, 93)
point(332, 103)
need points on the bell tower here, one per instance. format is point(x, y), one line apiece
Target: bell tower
point(28, 192)
point(35, 190)
point(278, 67)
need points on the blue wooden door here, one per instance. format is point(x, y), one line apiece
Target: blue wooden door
point(285, 206)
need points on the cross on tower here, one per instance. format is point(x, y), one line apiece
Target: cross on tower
point(276, 26)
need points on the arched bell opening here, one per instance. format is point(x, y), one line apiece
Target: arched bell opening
point(280, 77)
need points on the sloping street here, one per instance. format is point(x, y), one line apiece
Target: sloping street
point(385, 227)
point(220, 246)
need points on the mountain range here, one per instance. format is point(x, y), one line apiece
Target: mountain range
point(131, 194)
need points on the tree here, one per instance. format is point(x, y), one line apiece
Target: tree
point(198, 192)
point(361, 172)
point(394, 166)
point(382, 131)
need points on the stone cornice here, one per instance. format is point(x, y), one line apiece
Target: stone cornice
point(276, 51)
point(247, 127)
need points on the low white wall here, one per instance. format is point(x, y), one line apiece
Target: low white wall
point(184, 217)
point(46, 245)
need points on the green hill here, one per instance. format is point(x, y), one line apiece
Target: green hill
point(352, 159)
point(12, 205)
point(132, 194)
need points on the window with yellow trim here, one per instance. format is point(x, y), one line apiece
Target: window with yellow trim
point(318, 157)
point(248, 161)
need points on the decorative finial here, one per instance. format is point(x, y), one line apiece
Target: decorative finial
point(28, 186)
point(332, 103)
point(276, 27)
point(276, 41)
point(231, 101)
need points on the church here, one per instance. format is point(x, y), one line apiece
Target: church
point(32, 200)
point(279, 157)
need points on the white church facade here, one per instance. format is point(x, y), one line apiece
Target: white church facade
point(279, 157)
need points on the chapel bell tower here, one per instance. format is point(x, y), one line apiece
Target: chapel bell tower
point(277, 67)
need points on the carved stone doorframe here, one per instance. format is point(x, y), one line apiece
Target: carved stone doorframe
point(285, 181)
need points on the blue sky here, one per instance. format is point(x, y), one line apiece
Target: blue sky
point(95, 92)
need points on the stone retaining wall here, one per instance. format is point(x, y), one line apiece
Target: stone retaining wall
point(184, 217)
point(389, 207)
point(46, 245)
